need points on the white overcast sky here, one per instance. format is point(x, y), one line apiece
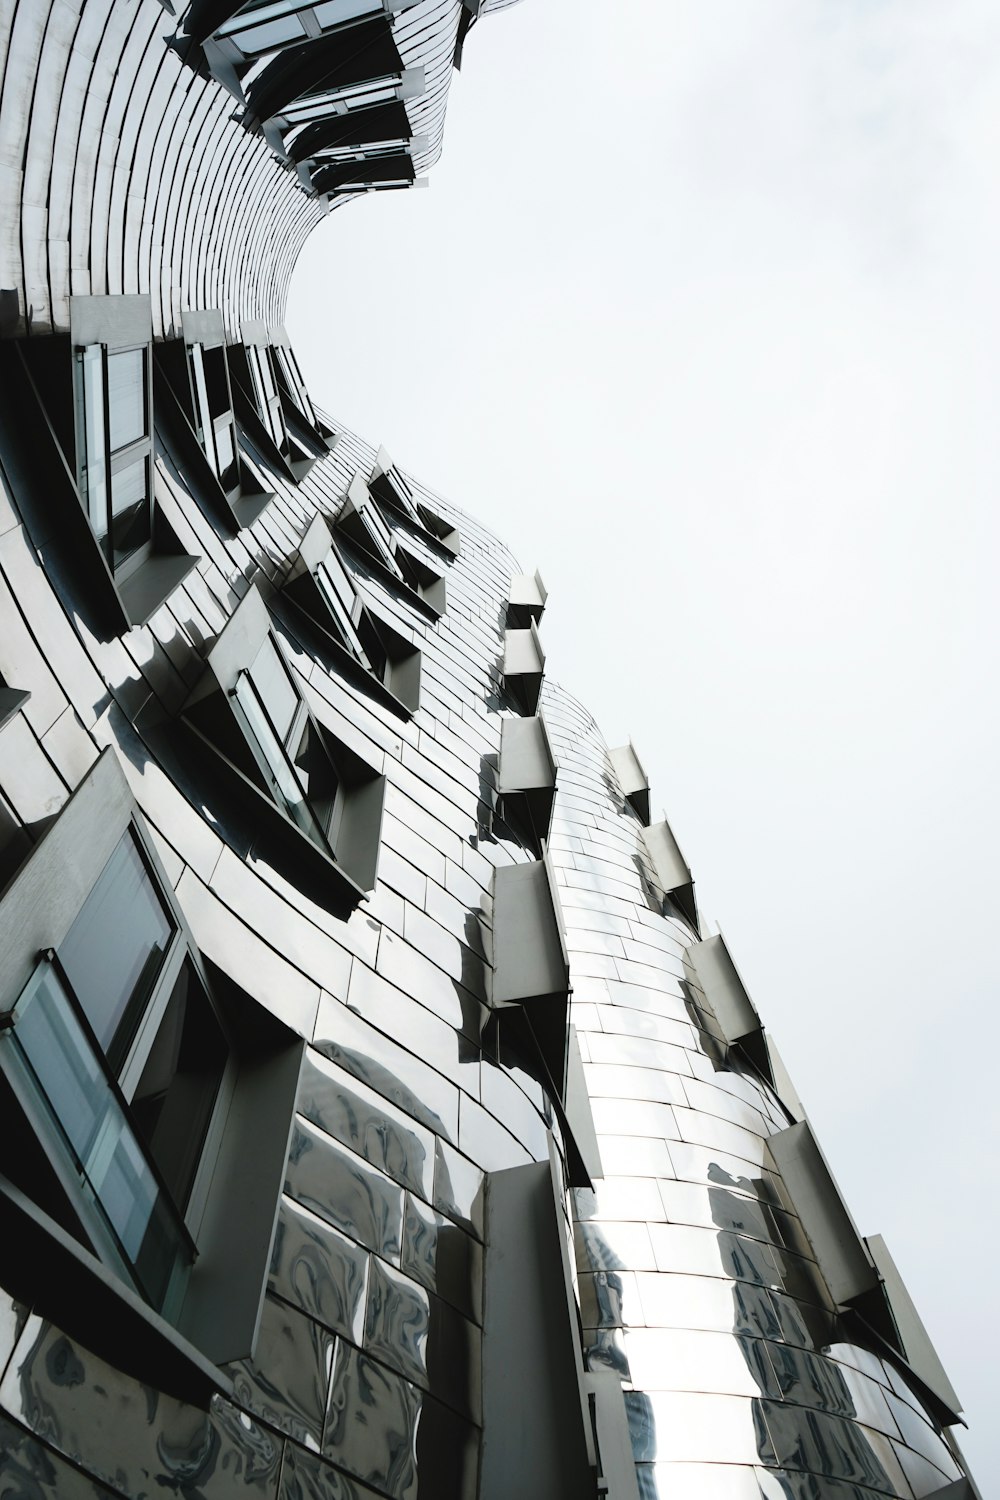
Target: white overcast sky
point(700, 314)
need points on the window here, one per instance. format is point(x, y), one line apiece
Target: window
point(363, 523)
point(288, 746)
point(314, 437)
point(321, 66)
point(392, 488)
point(276, 423)
point(249, 709)
point(213, 408)
point(111, 339)
point(115, 468)
point(131, 1107)
point(409, 83)
point(196, 423)
point(117, 1055)
point(526, 782)
point(523, 668)
point(526, 601)
point(268, 24)
point(322, 588)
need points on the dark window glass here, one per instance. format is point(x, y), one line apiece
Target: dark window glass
point(114, 950)
point(173, 1103)
point(131, 513)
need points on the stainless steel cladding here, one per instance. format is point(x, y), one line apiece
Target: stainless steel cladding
point(377, 1119)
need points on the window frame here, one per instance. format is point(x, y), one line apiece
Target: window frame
point(48, 1256)
point(350, 635)
point(235, 498)
point(390, 487)
point(351, 834)
point(141, 582)
point(114, 460)
point(361, 521)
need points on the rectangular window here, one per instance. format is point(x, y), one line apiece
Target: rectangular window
point(214, 411)
point(115, 461)
point(291, 379)
point(287, 745)
point(114, 951)
point(129, 1210)
point(122, 1061)
point(266, 395)
point(343, 603)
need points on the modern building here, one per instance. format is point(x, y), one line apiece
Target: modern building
point(377, 1118)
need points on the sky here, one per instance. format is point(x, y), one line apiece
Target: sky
point(699, 313)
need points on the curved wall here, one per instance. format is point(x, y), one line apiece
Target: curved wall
point(698, 1286)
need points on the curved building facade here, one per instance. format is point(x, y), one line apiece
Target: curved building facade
point(378, 1120)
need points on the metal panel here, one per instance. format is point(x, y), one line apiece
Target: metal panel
point(529, 954)
point(536, 1436)
point(724, 989)
point(838, 1247)
point(920, 1352)
point(526, 760)
point(632, 779)
point(667, 860)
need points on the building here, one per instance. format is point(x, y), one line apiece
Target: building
point(378, 1119)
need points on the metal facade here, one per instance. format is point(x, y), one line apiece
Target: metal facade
point(430, 1109)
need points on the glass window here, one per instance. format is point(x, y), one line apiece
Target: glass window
point(176, 1094)
point(224, 448)
point(275, 687)
point(114, 951)
point(69, 1078)
point(285, 785)
point(131, 512)
point(342, 604)
point(93, 468)
point(115, 458)
point(270, 34)
point(202, 409)
point(126, 397)
point(334, 12)
point(294, 383)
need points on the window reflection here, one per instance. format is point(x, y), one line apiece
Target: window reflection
point(114, 950)
point(290, 751)
point(69, 1076)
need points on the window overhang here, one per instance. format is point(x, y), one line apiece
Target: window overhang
point(40, 448)
point(860, 1274)
point(359, 521)
point(337, 875)
point(523, 667)
point(12, 700)
point(921, 1355)
point(533, 1377)
point(729, 1001)
point(232, 507)
point(389, 487)
point(526, 779)
point(632, 779)
point(526, 600)
point(671, 869)
point(399, 685)
point(357, 53)
point(530, 962)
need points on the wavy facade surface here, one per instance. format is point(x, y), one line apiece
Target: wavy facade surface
point(377, 1119)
